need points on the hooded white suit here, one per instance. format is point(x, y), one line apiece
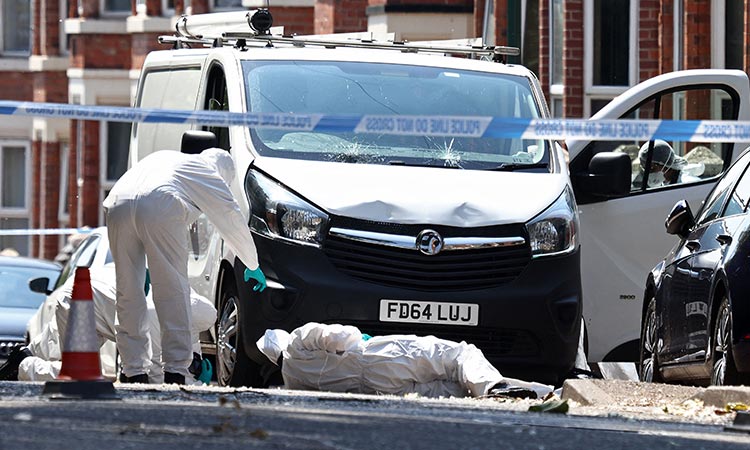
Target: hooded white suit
point(46, 347)
point(148, 211)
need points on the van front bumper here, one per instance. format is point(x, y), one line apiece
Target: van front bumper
point(528, 328)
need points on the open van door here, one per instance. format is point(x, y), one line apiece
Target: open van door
point(622, 234)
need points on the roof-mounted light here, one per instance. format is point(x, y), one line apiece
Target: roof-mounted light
point(260, 21)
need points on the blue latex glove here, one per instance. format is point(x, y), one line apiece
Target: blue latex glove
point(258, 276)
point(207, 371)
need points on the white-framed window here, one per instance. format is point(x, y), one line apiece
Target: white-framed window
point(114, 7)
point(610, 52)
point(15, 27)
point(727, 23)
point(167, 7)
point(63, 212)
point(226, 5)
point(14, 192)
point(556, 37)
point(115, 143)
point(678, 35)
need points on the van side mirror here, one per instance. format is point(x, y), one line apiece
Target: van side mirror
point(195, 141)
point(40, 285)
point(680, 220)
point(608, 175)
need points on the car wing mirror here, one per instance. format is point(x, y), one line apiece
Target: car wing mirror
point(40, 285)
point(195, 141)
point(680, 220)
point(608, 175)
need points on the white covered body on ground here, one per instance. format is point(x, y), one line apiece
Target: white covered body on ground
point(337, 358)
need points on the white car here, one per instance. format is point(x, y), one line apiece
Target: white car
point(93, 251)
point(622, 237)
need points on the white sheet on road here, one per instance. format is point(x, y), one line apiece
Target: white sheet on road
point(336, 358)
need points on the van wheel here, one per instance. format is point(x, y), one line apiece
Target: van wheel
point(649, 362)
point(233, 367)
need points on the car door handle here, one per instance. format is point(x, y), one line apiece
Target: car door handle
point(693, 245)
point(724, 239)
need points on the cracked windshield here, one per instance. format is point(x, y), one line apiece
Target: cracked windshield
point(355, 89)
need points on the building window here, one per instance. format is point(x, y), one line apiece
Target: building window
point(116, 142)
point(678, 35)
point(227, 4)
point(556, 42)
point(610, 32)
point(63, 215)
point(14, 213)
point(15, 24)
point(115, 6)
point(733, 30)
point(611, 42)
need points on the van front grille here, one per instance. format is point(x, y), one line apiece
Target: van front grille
point(447, 271)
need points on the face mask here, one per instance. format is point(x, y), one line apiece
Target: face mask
point(655, 179)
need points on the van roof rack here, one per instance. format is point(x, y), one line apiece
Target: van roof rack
point(245, 28)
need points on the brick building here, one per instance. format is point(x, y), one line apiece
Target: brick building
point(54, 173)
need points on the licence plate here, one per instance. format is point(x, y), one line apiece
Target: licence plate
point(429, 312)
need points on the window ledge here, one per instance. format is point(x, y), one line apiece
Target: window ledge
point(279, 3)
point(95, 26)
point(150, 24)
point(39, 63)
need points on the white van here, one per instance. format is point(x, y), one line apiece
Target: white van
point(465, 238)
point(460, 237)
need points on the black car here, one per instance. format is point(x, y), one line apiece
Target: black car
point(696, 313)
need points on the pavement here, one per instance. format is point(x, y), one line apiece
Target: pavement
point(595, 392)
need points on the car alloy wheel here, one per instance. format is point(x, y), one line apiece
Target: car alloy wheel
point(649, 367)
point(722, 365)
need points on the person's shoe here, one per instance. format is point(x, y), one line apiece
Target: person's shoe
point(506, 390)
point(140, 378)
point(9, 370)
point(174, 378)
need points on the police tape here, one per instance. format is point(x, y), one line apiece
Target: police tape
point(45, 231)
point(408, 125)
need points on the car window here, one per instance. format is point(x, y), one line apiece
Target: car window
point(714, 203)
point(738, 200)
point(680, 162)
point(82, 257)
point(696, 161)
point(15, 292)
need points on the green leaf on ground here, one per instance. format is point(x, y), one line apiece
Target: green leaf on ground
point(554, 405)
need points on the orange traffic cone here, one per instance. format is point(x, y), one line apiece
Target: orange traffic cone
point(81, 374)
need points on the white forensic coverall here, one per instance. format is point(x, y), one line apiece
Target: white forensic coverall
point(148, 212)
point(336, 358)
point(46, 347)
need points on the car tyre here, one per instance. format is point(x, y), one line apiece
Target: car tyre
point(723, 369)
point(649, 361)
point(233, 366)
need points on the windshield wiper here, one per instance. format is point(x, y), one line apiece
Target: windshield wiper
point(398, 162)
point(510, 167)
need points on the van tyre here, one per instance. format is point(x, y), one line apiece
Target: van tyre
point(649, 362)
point(233, 367)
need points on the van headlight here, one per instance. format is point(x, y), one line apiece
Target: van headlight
point(279, 214)
point(555, 231)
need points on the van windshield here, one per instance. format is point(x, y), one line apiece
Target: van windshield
point(355, 89)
